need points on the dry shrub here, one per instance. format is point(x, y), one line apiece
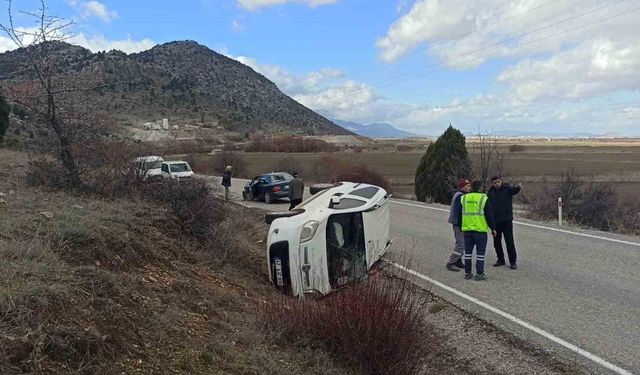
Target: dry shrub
point(516, 148)
point(378, 326)
point(407, 148)
point(192, 203)
point(331, 169)
point(290, 165)
point(589, 204)
point(221, 160)
point(45, 172)
point(261, 143)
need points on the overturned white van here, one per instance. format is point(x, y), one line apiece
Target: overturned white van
point(329, 240)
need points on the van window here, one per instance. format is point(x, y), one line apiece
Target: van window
point(346, 203)
point(367, 192)
point(165, 168)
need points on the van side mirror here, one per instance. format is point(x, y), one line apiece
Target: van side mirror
point(335, 200)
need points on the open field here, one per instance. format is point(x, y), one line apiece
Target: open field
point(617, 163)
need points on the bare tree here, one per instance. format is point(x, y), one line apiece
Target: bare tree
point(488, 157)
point(46, 91)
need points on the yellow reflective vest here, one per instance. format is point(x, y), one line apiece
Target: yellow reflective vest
point(473, 219)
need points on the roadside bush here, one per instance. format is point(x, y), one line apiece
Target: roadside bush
point(377, 326)
point(261, 143)
point(331, 169)
point(192, 203)
point(224, 158)
point(516, 148)
point(364, 174)
point(289, 164)
point(44, 172)
point(588, 204)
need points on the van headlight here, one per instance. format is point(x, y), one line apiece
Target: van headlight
point(309, 230)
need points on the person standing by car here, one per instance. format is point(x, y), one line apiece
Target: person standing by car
point(476, 221)
point(455, 259)
point(296, 191)
point(501, 198)
point(226, 181)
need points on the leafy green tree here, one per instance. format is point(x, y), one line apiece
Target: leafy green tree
point(4, 117)
point(445, 161)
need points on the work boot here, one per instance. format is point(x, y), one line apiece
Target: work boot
point(468, 276)
point(499, 263)
point(451, 267)
point(459, 264)
point(513, 266)
point(480, 277)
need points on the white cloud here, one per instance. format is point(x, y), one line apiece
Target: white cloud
point(559, 55)
point(97, 43)
point(328, 92)
point(289, 83)
point(594, 68)
point(94, 43)
point(237, 26)
point(90, 9)
point(258, 4)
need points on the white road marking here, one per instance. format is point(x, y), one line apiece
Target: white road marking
point(541, 332)
point(533, 225)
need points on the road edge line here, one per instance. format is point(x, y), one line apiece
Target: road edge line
point(533, 225)
point(529, 326)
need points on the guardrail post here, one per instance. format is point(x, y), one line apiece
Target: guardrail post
point(560, 211)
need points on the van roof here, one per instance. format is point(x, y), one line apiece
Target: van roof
point(176, 162)
point(149, 158)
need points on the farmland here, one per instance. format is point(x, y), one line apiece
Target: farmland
point(617, 163)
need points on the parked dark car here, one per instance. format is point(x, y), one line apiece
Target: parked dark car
point(268, 187)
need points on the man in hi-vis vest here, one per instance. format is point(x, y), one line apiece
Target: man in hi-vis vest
point(476, 222)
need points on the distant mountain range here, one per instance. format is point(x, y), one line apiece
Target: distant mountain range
point(182, 81)
point(518, 133)
point(375, 130)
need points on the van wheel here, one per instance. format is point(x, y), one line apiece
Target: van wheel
point(267, 198)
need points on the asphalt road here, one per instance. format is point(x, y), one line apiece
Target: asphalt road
point(583, 290)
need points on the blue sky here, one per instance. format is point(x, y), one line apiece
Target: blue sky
point(529, 65)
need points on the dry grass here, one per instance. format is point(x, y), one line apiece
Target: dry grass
point(115, 286)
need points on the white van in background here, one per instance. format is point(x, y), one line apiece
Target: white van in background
point(148, 167)
point(176, 170)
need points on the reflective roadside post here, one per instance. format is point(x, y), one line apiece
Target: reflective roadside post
point(560, 211)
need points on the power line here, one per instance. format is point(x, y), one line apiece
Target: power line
point(357, 72)
point(499, 43)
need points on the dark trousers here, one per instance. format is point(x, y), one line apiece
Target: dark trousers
point(505, 228)
point(294, 202)
point(479, 240)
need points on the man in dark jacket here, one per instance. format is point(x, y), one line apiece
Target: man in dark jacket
point(501, 198)
point(296, 191)
point(455, 212)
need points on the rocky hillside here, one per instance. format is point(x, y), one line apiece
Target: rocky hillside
point(183, 81)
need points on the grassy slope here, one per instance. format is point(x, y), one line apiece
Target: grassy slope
point(103, 286)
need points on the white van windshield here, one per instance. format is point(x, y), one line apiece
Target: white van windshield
point(182, 167)
point(153, 164)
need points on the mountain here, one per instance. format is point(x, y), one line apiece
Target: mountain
point(183, 81)
point(375, 130)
